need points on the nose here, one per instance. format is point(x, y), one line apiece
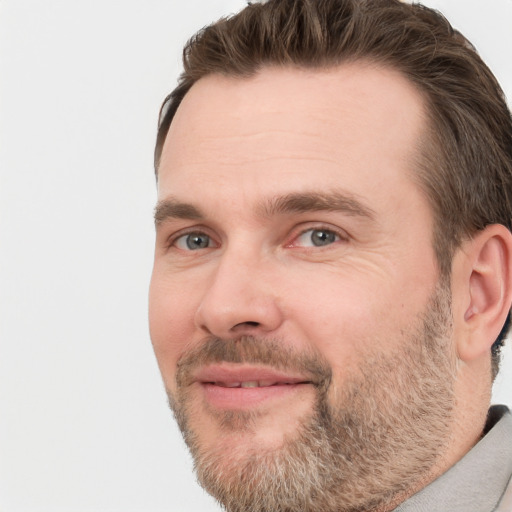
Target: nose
point(240, 299)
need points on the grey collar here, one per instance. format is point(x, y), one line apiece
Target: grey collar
point(476, 483)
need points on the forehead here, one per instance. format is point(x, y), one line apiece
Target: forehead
point(356, 126)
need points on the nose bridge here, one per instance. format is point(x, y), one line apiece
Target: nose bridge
point(239, 297)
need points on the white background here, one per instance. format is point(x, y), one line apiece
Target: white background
point(84, 424)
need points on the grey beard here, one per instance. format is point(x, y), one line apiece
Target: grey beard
point(387, 429)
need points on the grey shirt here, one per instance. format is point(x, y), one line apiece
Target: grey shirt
point(478, 481)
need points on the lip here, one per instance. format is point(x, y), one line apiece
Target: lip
point(242, 387)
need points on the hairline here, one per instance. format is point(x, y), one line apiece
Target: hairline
point(425, 155)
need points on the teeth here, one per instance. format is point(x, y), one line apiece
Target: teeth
point(232, 385)
point(250, 384)
point(267, 383)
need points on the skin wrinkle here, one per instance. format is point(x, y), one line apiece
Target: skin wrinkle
point(344, 446)
point(384, 100)
point(359, 305)
point(196, 164)
point(316, 143)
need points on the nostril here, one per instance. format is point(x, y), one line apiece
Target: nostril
point(247, 324)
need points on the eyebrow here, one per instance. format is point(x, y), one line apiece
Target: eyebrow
point(298, 202)
point(174, 209)
point(295, 202)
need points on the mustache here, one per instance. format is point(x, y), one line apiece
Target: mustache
point(252, 350)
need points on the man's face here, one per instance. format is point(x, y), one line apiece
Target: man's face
point(295, 307)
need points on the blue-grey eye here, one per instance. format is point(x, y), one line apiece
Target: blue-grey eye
point(317, 238)
point(193, 241)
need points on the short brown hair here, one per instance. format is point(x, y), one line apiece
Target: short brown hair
point(466, 164)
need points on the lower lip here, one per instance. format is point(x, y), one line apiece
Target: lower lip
point(247, 398)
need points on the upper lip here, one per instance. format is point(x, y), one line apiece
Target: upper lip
point(233, 375)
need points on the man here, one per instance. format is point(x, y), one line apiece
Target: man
point(333, 274)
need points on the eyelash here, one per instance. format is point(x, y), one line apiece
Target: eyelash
point(196, 230)
point(339, 234)
point(200, 231)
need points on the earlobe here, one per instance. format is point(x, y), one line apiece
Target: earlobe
point(486, 281)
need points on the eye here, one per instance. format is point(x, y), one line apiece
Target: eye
point(193, 242)
point(317, 238)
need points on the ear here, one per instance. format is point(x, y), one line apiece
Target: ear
point(482, 290)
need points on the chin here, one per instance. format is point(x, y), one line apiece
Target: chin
point(234, 435)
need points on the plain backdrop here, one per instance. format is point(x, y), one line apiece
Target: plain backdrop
point(84, 425)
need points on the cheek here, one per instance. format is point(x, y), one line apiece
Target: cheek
point(171, 322)
point(345, 317)
point(337, 322)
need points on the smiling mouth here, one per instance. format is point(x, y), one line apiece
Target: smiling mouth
point(254, 384)
point(235, 387)
point(250, 394)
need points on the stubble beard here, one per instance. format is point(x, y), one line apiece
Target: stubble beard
point(388, 427)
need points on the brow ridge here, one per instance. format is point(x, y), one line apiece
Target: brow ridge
point(294, 202)
point(173, 209)
point(303, 202)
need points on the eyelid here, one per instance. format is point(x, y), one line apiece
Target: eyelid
point(200, 230)
point(301, 230)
